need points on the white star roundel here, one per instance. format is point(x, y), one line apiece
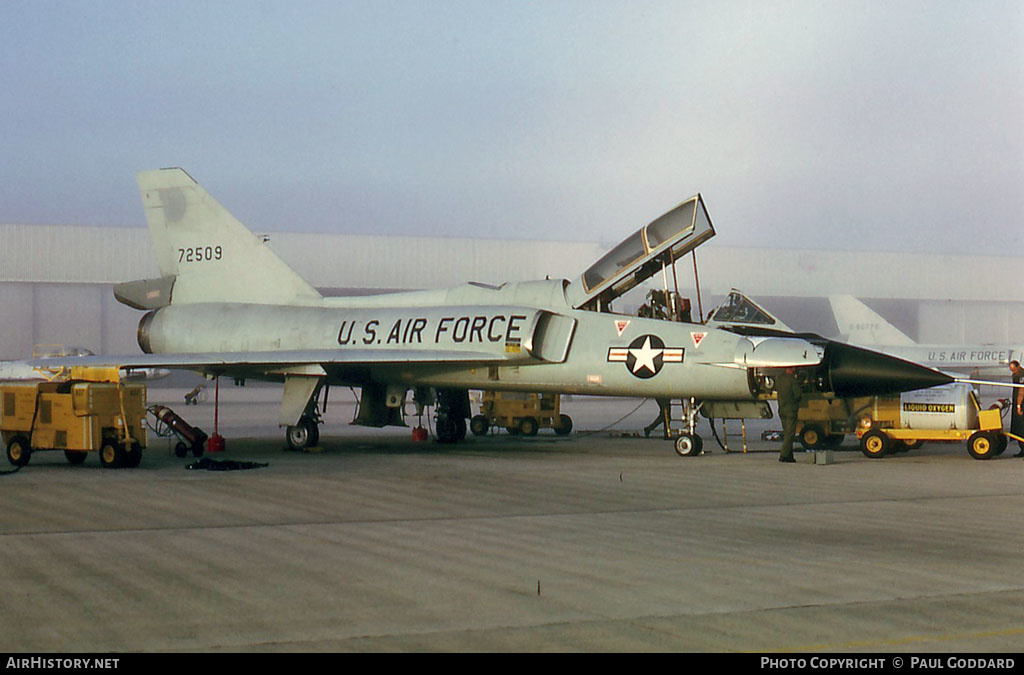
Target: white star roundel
point(645, 356)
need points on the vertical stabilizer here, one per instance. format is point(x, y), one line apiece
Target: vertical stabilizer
point(861, 325)
point(212, 255)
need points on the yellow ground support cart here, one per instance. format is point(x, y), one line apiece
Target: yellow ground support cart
point(77, 416)
point(520, 413)
point(949, 413)
point(824, 422)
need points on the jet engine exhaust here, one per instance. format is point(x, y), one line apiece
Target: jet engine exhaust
point(853, 371)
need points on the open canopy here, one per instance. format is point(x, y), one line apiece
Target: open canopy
point(643, 254)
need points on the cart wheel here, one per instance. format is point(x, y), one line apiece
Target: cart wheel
point(982, 445)
point(133, 456)
point(18, 451)
point(905, 445)
point(75, 456)
point(834, 441)
point(528, 426)
point(1001, 442)
point(689, 446)
point(812, 437)
point(874, 444)
point(180, 450)
point(479, 425)
point(564, 425)
point(112, 456)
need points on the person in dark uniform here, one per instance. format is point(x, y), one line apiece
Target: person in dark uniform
point(789, 394)
point(664, 412)
point(1016, 401)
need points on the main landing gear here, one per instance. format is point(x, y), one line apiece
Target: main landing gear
point(452, 411)
point(306, 433)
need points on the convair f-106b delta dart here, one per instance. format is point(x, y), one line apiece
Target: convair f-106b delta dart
point(226, 305)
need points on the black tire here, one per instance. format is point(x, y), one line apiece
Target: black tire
point(133, 456)
point(303, 435)
point(446, 429)
point(689, 446)
point(982, 445)
point(1001, 443)
point(112, 455)
point(812, 437)
point(875, 444)
point(528, 426)
point(479, 425)
point(905, 445)
point(75, 457)
point(833, 441)
point(564, 425)
point(181, 450)
point(19, 452)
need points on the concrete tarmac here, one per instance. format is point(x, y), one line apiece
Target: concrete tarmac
point(593, 542)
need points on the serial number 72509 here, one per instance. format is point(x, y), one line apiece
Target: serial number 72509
point(200, 254)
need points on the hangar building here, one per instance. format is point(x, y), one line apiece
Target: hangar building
point(56, 281)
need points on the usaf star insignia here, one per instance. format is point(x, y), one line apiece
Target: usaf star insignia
point(645, 356)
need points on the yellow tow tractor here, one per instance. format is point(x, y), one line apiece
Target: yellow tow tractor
point(520, 413)
point(948, 413)
point(91, 411)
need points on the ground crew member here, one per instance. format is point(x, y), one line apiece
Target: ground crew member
point(664, 412)
point(789, 394)
point(1016, 401)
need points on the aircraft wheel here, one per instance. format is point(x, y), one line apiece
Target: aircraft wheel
point(75, 456)
point(18, 451)
point(874, 444)
point(812, 437)
point(447, 429)
point(528, 426)
point(303, 435)
point(982, 445)
point(689, 446)
point(564, 425)
point(479, 425)
point(112, 455)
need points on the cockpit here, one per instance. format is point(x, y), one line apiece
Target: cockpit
point(652, 249)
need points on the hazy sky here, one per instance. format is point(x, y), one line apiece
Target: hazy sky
point(818, 124)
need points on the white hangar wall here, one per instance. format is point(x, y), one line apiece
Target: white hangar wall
point(55, 280)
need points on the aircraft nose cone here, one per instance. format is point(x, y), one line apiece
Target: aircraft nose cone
point(854, 371)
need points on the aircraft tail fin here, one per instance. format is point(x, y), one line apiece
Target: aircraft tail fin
point(208, 253)
point(861, 325)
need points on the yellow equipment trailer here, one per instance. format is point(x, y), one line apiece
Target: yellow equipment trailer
point(520, 413)
point(74, 416)
point(949, 413)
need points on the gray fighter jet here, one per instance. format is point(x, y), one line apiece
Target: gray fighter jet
point(226, 305)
